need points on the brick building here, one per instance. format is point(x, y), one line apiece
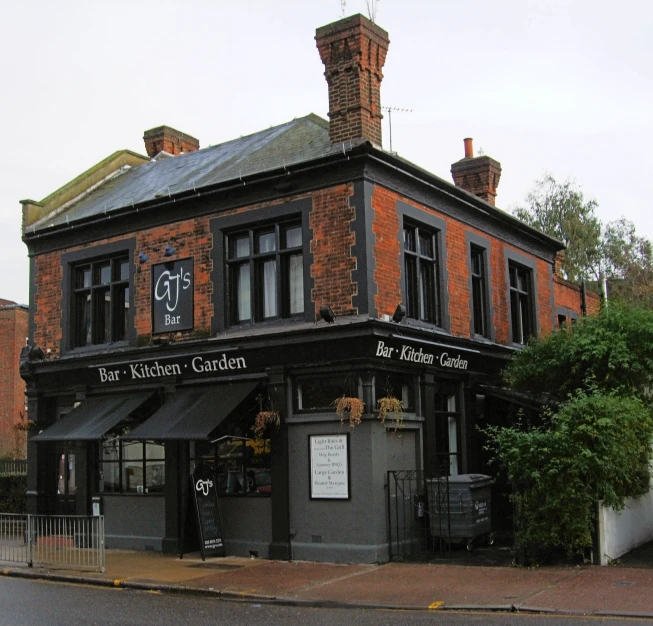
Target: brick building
point(178, 298)
point(13, 417)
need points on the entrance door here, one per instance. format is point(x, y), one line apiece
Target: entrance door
point(65, 501)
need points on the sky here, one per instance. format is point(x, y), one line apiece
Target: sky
point(557, 86)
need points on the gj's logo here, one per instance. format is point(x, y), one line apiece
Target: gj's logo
point(169, 286)
point(204, 486)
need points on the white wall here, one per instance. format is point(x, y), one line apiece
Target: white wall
point(621, 531)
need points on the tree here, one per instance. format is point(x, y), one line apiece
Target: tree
point(628, 264)
point(560, 210)
point(594, 442)
point(595, 251)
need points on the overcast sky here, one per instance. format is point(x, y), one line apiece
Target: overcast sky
point(559, 86)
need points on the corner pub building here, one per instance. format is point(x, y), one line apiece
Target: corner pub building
point(176, 297)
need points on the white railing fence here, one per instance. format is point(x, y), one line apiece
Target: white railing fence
point(66, 541)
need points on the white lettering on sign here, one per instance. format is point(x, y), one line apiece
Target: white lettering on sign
point(154, 370)
point(204, 486)
point(218, 365)
point(168, 287)
point(108, 376)
point(408, 353)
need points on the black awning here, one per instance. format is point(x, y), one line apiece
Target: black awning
point(94, 417)
point(193, 413)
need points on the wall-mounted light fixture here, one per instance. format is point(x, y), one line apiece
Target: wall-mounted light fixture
point(399, 314)
point(327, 314)
point(169, 250)
point(144, 258)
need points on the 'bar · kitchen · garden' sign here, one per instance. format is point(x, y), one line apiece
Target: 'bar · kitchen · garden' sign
point(329, 458)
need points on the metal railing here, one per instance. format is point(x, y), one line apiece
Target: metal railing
point(13, 467)
point(66, 541)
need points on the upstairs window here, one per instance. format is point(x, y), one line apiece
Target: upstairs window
point(421, 272)
point(480, 314)
point(100, 307)
point(266, 273)
point(522, 305)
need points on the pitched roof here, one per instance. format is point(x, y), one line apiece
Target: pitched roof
point(300, 140)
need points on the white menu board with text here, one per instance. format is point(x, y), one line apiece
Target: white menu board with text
point(329, 458)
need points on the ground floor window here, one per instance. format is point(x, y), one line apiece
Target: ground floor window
point(131, 466)
point(447, 418)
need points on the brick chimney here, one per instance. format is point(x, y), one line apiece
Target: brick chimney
point(478, 175)
point(166, 139)
point(353, 51)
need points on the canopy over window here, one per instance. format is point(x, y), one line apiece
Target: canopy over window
point(193, 413)
point(94, 417)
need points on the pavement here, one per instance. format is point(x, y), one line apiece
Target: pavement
point(624, 590)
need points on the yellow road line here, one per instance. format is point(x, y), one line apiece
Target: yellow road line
point(435, 605)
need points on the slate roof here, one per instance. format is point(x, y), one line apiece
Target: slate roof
point(298, 141)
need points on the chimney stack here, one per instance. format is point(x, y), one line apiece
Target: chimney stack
point(166, 139)
point(478, 175)
point(353, 51)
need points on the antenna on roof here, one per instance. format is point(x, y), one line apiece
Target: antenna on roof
point(371, 9)
point(390, 110)
point(343, 6)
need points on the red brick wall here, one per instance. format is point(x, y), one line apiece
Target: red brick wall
point(13, 331)
point(333, 237)
point(569, 295)
point(388, 278)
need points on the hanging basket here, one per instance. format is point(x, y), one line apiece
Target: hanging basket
point(353, 406)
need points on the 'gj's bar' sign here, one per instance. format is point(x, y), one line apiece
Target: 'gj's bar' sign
point(172, 296)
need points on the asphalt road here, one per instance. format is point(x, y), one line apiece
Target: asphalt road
point(32, 603)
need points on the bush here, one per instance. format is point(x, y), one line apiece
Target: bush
point(595, 447)
point(12, 494)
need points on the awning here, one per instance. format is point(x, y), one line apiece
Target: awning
point(94, 417)
point(193, 413)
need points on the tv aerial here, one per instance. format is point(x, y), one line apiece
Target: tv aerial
point(397, 110)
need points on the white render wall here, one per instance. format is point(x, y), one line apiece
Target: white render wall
point(621, 531)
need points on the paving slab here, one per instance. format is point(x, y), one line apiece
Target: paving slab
point(423, 585)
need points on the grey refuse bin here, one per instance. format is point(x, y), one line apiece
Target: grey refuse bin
point(465, 515)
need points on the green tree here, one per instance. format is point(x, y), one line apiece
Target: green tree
point(595, 440)
point(628, 264)
point(560, 210)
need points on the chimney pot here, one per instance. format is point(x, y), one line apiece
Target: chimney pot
point(478, 175)
point(469, 147)
point(167, 139)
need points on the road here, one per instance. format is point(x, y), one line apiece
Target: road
point(35, 603)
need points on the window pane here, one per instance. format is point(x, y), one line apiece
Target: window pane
point(132, 477)
point(427, 292)
point(266, 242)
point(110, 477)
point(83, 277)
point(515, 313)
point(409, 239)
point(523, 281)
point(83, 319)
point(513, 277)
point(121, 314)
point(155, 477)
point(294, 237)
point(426, 246)
point(154, 450)
point(102, 312)
point(478, 305)
point(269, 294)
point(122, 270)
point(243, 293)
point(477, 262)
point(412, 301)
point(240, 247)
point(296, 283)
point(103, 274)
point(132, 450)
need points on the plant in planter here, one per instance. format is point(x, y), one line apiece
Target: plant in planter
point(351, 405)
point(389, 405)
point(263, 422)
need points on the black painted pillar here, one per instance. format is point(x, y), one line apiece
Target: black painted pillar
point(176, 472)
point(430, 458)
point(280, 471)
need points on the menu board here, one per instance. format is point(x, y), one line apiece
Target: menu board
point(329, 458)
point(205, 496)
